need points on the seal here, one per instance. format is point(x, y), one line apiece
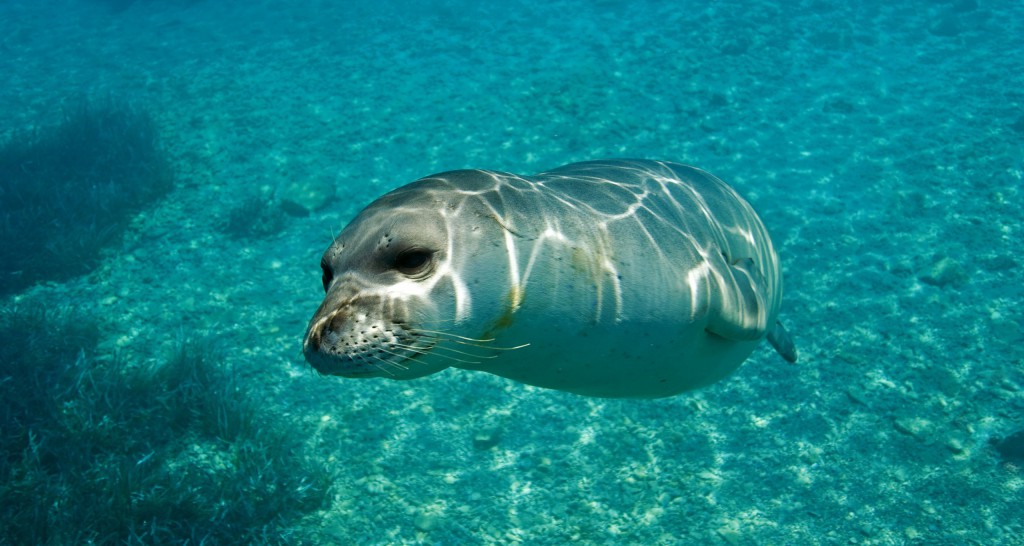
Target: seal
point(617, 278)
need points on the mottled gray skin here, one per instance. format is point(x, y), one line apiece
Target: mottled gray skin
point(623, 278)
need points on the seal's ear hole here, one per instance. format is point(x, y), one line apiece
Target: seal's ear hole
point(412, 261)
point(328, 276)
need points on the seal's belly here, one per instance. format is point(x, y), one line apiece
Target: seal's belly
point(631, 360)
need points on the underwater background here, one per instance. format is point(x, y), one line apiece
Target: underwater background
point(171, 171)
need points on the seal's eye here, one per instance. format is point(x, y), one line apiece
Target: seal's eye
point(413, 261)
point(328, 276)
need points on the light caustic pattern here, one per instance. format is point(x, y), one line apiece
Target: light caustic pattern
point(678, 222)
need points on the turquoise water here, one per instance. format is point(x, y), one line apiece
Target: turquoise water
point(882, 145)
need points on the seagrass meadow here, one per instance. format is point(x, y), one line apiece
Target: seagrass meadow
point(172, 170)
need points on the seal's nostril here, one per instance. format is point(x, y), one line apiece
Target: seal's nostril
point(313, 338)
point(336, 323)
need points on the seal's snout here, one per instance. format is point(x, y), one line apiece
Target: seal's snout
point(312, 345)
point(329, 344)
point(352, 338)
point(323, 320)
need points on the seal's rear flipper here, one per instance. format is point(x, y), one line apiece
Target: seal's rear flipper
point(779, 338)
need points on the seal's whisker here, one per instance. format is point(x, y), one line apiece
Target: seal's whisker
point(435, 344)
point(439, 347)
point(411, 348)
point(376, 365)
point(489, 347)
point(424, 318)
point(467, 341)
point(382, 362)
point(391, 362)
point(435, 332)
point(481, 346)
point(449, 357)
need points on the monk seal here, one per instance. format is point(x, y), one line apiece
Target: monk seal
point(618, 278)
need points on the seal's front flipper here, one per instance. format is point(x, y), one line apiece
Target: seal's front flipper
point(779, 338)
point(738, 309)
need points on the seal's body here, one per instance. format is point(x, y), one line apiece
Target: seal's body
point(624, 278)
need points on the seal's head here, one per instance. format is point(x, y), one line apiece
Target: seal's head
point(397, 302)
point(378, 275)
